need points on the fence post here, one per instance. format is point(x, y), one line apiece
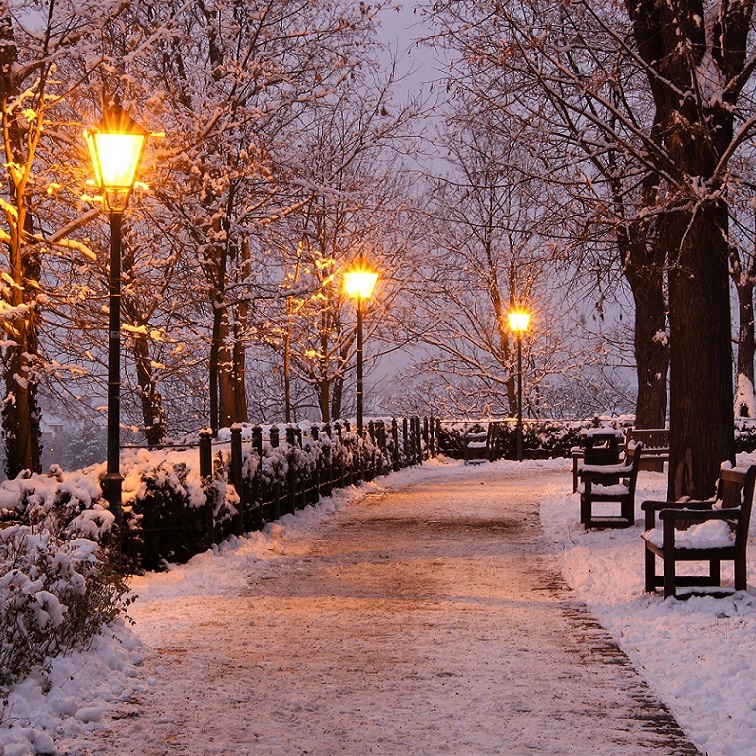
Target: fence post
point(255, 487)
point(369, 470)
point(274, 436)
point(395, 439)
point(291, 473)
point(327, 490)
point(405, 442)
point(206, 453)
point(420, 452)
point(380, 430)
point(416, 441)
point(257, 441)
point(206, 473)
point(315, 482)
point(426, 438)
point(237, 478)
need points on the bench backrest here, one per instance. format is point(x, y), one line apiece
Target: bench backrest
point(633, 454)
point(735, 487)
point(652, 438)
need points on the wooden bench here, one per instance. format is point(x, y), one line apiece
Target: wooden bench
point(600, 446)
point(479, 447)
point(602, 484)
point(701, 531)
point(655, 446)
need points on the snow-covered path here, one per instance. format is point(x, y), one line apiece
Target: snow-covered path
point(421, 620)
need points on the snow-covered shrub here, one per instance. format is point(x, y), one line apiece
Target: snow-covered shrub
point(745, 434)
point(165, 504)
point(56, 594)
point(541, 438)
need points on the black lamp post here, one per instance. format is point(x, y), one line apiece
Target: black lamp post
point(115, 146)
point(518, 323)
point(359, 285)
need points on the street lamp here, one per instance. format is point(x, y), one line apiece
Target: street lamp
point(359, 284)
point(518, 322)
point(115, 146)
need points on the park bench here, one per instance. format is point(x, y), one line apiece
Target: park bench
point(710, 531)
point(610, 484)
point(479, 447)
point(599, 446)
point(655, 446)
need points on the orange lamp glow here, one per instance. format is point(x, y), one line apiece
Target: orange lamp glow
point(359, 284)
point(115, 146)
point(519, 320)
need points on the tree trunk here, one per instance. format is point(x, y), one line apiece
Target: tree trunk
point(745, 402)
point(323, 388)
point(222, 393)
point(337, 396)
point(20, 411)
point(702, 432)
point(694, 130)
point(225, 372)
point(239, 349)
point(23, 450)
point(646, 278)
point(239, 377)
point(153, 410)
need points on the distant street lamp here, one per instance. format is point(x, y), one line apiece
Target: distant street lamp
point(115, 146)
point(518, 323)
point(359, 285)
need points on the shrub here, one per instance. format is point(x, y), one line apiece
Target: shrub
point(56, 594)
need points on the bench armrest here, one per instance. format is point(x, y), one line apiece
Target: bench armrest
point(698, 515)
point(651, 508)
point(657, 505)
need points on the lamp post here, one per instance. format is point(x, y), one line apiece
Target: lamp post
point(359, 285)
point(115, 146)
point(518, 323)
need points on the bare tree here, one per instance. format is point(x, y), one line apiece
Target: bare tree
point(658, 94)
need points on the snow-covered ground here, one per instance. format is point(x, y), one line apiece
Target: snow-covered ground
point(698, 656)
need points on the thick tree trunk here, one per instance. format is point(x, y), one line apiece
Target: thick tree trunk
point(702, 433)
point(685, 49)
point(646, 279)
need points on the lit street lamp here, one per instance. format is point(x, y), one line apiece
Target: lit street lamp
point(518, 323)
point(359, 285)
point(115, 146)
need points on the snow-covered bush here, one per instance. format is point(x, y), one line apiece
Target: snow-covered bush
point(56, 594)
point(541, 438)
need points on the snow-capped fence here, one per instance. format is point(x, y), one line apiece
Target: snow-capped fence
point(252, 475)
point(541, 438)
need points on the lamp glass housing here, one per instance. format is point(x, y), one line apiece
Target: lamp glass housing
point(115, 148)
point(359, 284)
point(519, 320)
